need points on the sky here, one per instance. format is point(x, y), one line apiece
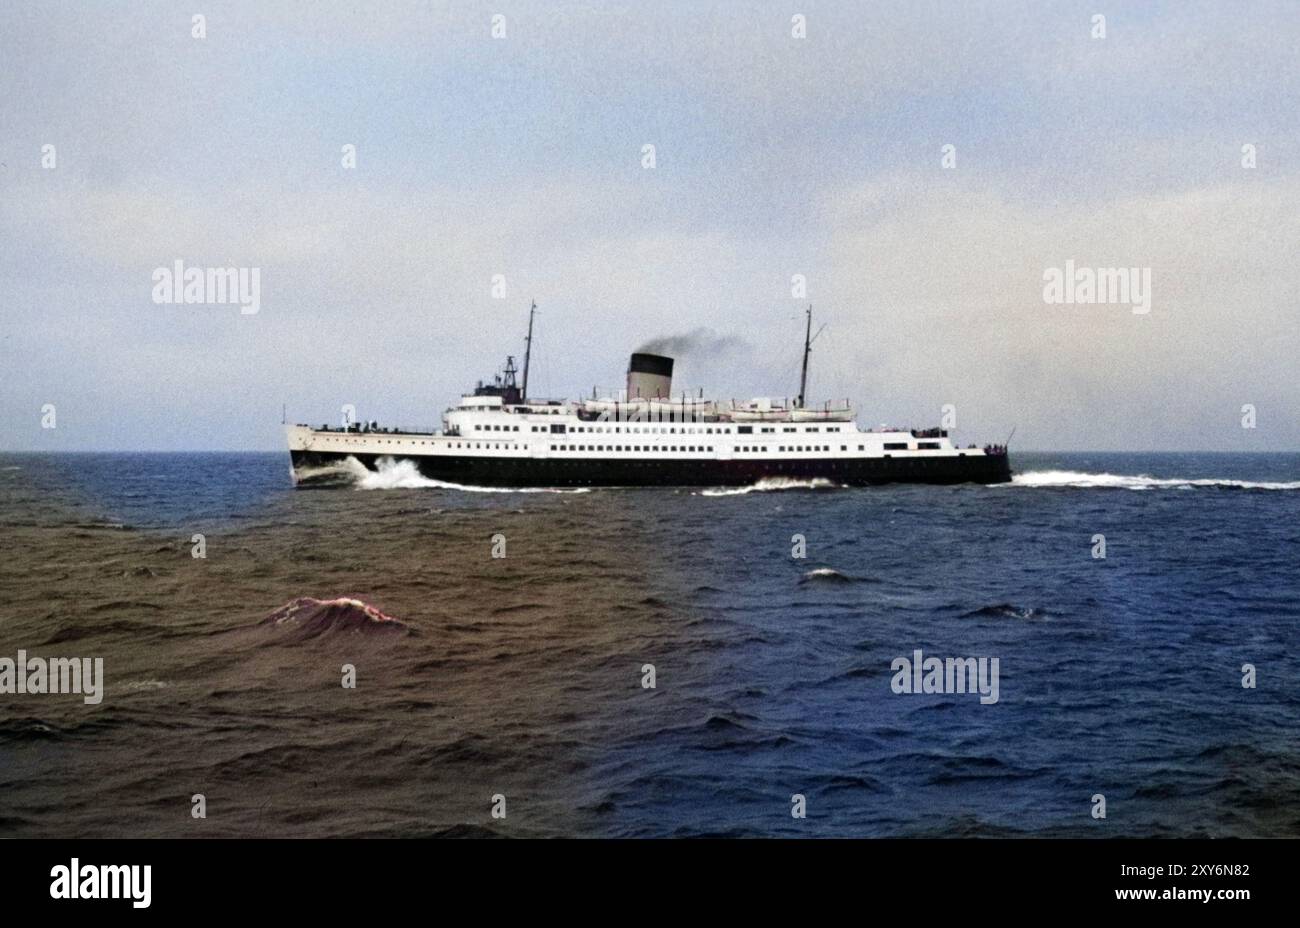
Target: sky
point(520, 158)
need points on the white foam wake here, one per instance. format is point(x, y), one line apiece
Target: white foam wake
point(391, 475)
point(768, 484)
point(1079, 479)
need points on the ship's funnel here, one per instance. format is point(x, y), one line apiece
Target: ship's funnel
point(649, 376)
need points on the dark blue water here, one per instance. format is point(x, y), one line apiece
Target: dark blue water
point(1119, 676)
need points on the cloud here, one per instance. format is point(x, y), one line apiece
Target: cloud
point(950, 285)
point(776, 156)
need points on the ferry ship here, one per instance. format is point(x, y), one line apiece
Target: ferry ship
point(500, 436)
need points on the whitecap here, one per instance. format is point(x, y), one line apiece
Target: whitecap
point(770, 484)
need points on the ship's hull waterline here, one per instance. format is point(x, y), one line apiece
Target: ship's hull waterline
point(313, 467)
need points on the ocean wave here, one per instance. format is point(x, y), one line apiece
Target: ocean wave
point(135, 685)
point(826, 575)
point(1006, 611)
point(29, 729)
point(1082, 480)
point(75, 632)
point(307, 618)
point(769, 484)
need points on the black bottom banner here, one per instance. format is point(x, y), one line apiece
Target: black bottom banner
point(142, 878)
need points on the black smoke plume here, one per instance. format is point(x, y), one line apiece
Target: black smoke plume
point(695, 342)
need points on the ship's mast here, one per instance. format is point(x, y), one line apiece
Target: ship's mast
point(808, 339)
point(807, 347)
point(528, 350)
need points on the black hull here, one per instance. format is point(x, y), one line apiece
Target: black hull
point(560, 471)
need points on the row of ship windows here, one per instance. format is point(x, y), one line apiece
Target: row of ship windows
point(490, 445)
point(611, 428)
point(651, 430)
point(749, 429)
point(402, 441)
point(708, 448)
point(889, 446)
point(743, 430)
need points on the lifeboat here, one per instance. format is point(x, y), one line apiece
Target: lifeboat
point(695, 407)
point(761, 409)
point(615, 407)
point(823, 414)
